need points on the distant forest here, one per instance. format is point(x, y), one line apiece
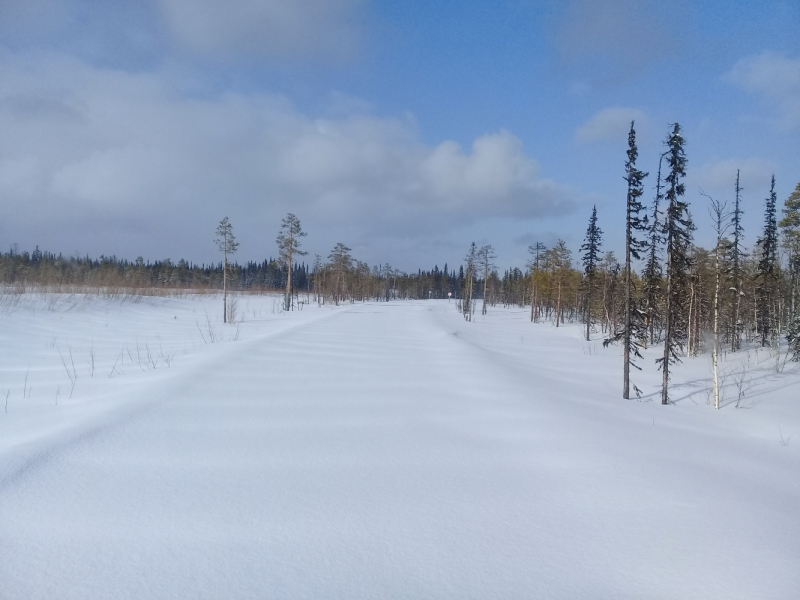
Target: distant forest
point(45, 269)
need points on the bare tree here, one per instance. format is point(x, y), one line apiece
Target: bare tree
point(719, 216)
point(227, 244)
point(288, 245)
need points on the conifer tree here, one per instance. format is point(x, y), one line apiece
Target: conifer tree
point(533, 266)
point(634, 327)
point(469, 279)
point(590, 257)
point(790, 227)
point(768, 268)
point(288, 245)
point(486, 258)
point(341, 262)
point(560, 259)
point(653, 272)
point(736, 258)
point(678, 231)
point(227, 244)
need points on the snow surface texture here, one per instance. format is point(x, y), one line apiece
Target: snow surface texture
point(381, 450)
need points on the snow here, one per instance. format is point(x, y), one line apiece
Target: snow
point(379, 450)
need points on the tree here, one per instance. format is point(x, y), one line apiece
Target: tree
point(341, 262)
point(288, 245)
point(768, 268)
point(590, 257)
point(469, 278)
point(737, 256)
point(719, 216)
point(790, 227)
point(653, 272)
point(486, 258)
point(634, 327)
point(560, 259)
point(678, 231)
point(533, 266)
point(227, 244)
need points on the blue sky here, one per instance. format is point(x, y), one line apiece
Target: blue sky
point(404, 129)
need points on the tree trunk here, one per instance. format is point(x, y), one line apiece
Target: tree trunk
point(225, 287)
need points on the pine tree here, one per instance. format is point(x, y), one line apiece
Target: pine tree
point(469, 279)
point(590, 257)
point(533, 267)
point(560, 259)
point(486, 258)
point(634, 327)
point(341, 263)
point(767, 268)
point(790, 227)
point(227, 244)
point(288, 245)
point(678, 231)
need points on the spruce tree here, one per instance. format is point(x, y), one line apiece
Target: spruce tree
point(678, 231)
point(653, 273)
point(736, 258)
point(767, 269)
point(634, 326)
point(590, 257)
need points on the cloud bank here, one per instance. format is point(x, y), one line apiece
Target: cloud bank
point(113, 158)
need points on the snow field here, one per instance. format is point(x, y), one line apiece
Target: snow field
point(382, 450)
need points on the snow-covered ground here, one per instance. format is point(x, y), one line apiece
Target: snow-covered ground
point(379, 450)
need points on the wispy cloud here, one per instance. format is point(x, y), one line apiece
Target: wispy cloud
point(774, 78)
point(611, 124)
point(720, 176)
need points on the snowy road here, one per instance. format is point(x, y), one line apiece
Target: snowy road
point(394, 451)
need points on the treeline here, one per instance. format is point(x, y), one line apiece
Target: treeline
point(43, 269)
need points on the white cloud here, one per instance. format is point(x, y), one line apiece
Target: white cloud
point(774, 78)
point(264, 28)
point(118, 160)
point(610, 124)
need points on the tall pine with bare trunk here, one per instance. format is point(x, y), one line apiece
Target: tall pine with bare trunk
point(288, 245)
point(227, 244)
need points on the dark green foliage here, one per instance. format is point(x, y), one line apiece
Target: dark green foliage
point(767, 276)
point(590, 258)
point(678, 229)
